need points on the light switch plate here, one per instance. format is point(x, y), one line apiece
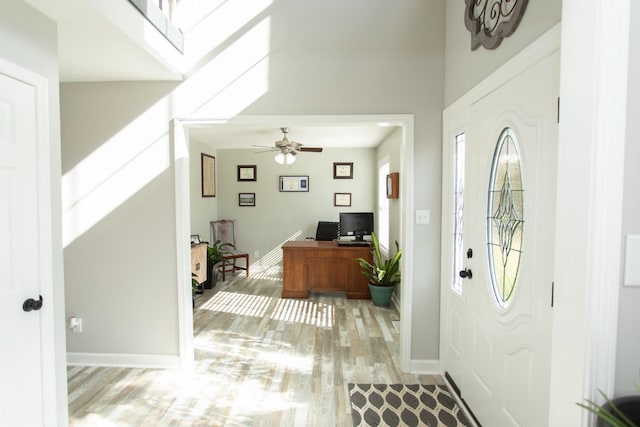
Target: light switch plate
point(423, 217)
point(632, 261)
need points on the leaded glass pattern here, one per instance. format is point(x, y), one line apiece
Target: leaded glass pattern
point(458, 210)
point(505, 217)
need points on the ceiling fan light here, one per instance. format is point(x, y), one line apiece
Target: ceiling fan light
point(284, 159)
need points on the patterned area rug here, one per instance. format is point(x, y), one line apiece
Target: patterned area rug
point(404, 405)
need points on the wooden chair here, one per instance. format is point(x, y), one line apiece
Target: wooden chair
point(225, 231)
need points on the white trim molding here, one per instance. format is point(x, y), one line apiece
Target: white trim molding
point(123, 360)
point(181, 170)
point(593, 84)
point(425, 367)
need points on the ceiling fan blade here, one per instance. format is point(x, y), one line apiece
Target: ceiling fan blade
point(311, 149)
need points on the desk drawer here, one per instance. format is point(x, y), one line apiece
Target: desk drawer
point(327, 274)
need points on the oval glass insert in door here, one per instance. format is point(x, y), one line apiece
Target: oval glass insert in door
point(505, 217)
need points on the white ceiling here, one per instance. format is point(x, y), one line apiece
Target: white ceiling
point(309, 135)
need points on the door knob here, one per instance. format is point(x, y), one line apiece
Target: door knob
point(466, 274)
point(32, 305)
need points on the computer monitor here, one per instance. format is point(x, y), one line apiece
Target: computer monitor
point(356, 224)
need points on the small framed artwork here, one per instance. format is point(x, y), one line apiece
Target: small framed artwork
point(343, 170)
point(246, 199)
point(195, 239)
point(208, 175)
point(247, 173)
point(392, 185)
point(341, 199)
point(294, 183)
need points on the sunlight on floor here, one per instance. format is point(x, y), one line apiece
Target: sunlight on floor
point(304, 311)
point(289, 310)
point(247, 305)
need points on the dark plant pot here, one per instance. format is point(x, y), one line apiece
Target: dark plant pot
point(381, 295)
point(628, 405)
point(212, 276)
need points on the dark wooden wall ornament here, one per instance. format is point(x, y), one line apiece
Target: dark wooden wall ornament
point(490, 21)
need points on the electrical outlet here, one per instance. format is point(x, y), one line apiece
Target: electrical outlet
point(256, 254)
point(423, 217)
point(75, 324)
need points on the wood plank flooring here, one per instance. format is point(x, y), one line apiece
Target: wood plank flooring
point(260, 361)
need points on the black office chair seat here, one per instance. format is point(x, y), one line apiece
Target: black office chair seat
point(328, 230)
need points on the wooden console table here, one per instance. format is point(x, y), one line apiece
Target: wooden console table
point(314, 266)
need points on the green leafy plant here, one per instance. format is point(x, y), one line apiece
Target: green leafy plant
point(383, 271)
point(218, 250)
point(608, 413)
point(194, 284)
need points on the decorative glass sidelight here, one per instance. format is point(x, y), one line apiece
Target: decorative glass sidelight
point(458, 211)
point(505, 217)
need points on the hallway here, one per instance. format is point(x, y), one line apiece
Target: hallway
point(260, 361)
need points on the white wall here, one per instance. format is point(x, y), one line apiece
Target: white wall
point(390, 149)
point(268, 79)
point(203, 209)
point(280, 216)
point(628, 346)
point(29, 40)
point(121, 272)
point(465, 68)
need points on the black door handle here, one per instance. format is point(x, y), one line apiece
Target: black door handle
point(466, 274)
point(32, 305)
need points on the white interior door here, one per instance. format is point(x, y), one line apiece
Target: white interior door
point(21, 399)
point(509, 225)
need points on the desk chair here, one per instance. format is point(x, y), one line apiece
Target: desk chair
point(328, 230)
point(225, 231)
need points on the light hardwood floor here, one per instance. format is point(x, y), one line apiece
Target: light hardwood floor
point(260, 361)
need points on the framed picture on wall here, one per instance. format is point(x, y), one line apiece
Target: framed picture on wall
point(343, 170)
point(294, 183)
point(341, 199)
point(246, 199)
point(392, 185)
point(247, 173)
point(208, 175)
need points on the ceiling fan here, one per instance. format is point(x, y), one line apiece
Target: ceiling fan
point(287, 150)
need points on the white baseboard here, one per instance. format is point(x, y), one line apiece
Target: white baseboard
point(123, 360)
point(425, 367)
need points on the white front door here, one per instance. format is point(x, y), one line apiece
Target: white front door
point(509, 226)
point(21, 263)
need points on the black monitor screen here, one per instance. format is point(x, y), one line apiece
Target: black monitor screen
point(356, 224)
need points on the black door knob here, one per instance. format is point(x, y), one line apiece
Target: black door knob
point(466, 274)
point(32, 305)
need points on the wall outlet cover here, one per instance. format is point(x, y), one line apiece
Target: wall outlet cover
point(632, 261)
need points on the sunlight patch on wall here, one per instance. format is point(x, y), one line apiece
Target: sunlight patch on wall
point(141, 151)
point(269, 266)
point(231, 81)
point(91, 191)
point(205, 30)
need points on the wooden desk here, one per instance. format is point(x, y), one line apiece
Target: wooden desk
point(313, 266)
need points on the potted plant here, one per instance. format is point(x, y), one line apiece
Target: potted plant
point(620, 412)
point(195, 287)
point(215, 255)
point(383, 274)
